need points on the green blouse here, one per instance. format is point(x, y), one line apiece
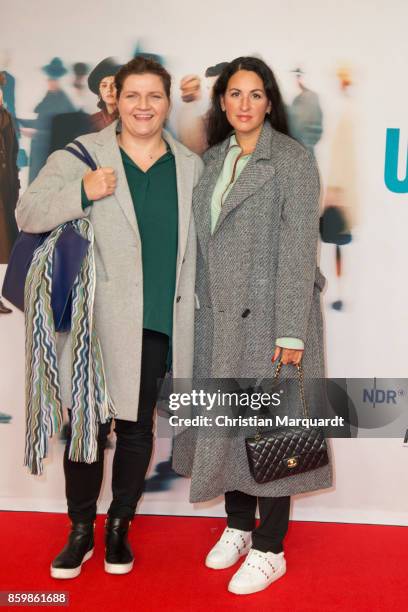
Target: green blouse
point(154, 196)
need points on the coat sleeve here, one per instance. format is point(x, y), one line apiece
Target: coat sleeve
point(298, 238)
point(54, 197)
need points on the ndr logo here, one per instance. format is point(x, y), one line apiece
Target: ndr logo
point(392, 182)
point(381, 396)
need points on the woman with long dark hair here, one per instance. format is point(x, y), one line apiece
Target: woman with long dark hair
point(258, 289)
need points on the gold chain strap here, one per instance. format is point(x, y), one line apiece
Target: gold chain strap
point(305, 411)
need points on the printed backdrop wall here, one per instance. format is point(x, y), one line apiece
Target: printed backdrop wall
point(341, 69)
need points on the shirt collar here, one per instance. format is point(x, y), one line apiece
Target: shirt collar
point(166, 157)
point(233, 142)
point(234, 145)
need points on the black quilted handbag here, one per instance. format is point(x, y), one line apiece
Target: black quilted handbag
point(286, 451)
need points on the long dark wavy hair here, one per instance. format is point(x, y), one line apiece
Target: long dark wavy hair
point(218, 126)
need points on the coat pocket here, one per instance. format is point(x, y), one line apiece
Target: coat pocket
point(100, 266)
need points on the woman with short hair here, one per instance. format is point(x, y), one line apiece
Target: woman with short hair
point(139, 204)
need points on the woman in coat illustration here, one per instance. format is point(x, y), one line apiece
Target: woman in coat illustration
point(9, 183)
point(101, 82)
point(341, 198)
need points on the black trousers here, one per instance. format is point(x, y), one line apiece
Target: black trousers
point(134, 442)
point(274, 518)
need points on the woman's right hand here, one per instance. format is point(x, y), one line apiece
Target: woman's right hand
point(287, 356)
point(99, 183)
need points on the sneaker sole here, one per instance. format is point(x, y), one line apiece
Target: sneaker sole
point(219, 566)
point(255, 589)
point(118, 568)
point(65, 573)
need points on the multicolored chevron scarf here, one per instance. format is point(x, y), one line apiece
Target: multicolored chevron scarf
point(91, 403)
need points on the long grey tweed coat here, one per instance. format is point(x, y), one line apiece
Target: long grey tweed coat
point(257, 280)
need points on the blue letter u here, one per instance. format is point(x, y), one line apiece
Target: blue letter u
point(391, 179)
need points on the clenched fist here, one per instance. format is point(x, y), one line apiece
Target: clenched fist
point(99, 183)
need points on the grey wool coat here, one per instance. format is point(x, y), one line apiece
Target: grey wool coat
point(55, 197)
point(257, 280)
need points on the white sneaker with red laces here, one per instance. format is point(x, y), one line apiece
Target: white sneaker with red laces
point(232, 545)
point(257, 572)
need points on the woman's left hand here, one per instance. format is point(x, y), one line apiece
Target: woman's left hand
point(287, 356)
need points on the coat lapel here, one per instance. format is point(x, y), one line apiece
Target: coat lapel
point(251, 180)
point(255, 174)
point(185, 180)
point(109, 156)
point(202, 201)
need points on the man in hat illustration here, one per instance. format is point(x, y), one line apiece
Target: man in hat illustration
point(68, 126)
point(192, 118)
point(79, 92)
point(140, 52)
point(9, 102)
point(305, 115)
point(55, 102)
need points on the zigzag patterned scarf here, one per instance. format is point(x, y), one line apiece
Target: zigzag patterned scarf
point(91, 403)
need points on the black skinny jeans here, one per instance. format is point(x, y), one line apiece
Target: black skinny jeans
point(134, 442)
point(274, 518)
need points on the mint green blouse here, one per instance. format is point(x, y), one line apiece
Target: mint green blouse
point(234, 164)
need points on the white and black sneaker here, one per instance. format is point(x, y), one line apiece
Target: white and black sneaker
point(257, 572)
point(232, 545)
point(79, 548)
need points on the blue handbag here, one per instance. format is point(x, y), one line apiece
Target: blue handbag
point(69, 254)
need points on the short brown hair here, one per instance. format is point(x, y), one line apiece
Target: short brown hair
point(142, 65)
